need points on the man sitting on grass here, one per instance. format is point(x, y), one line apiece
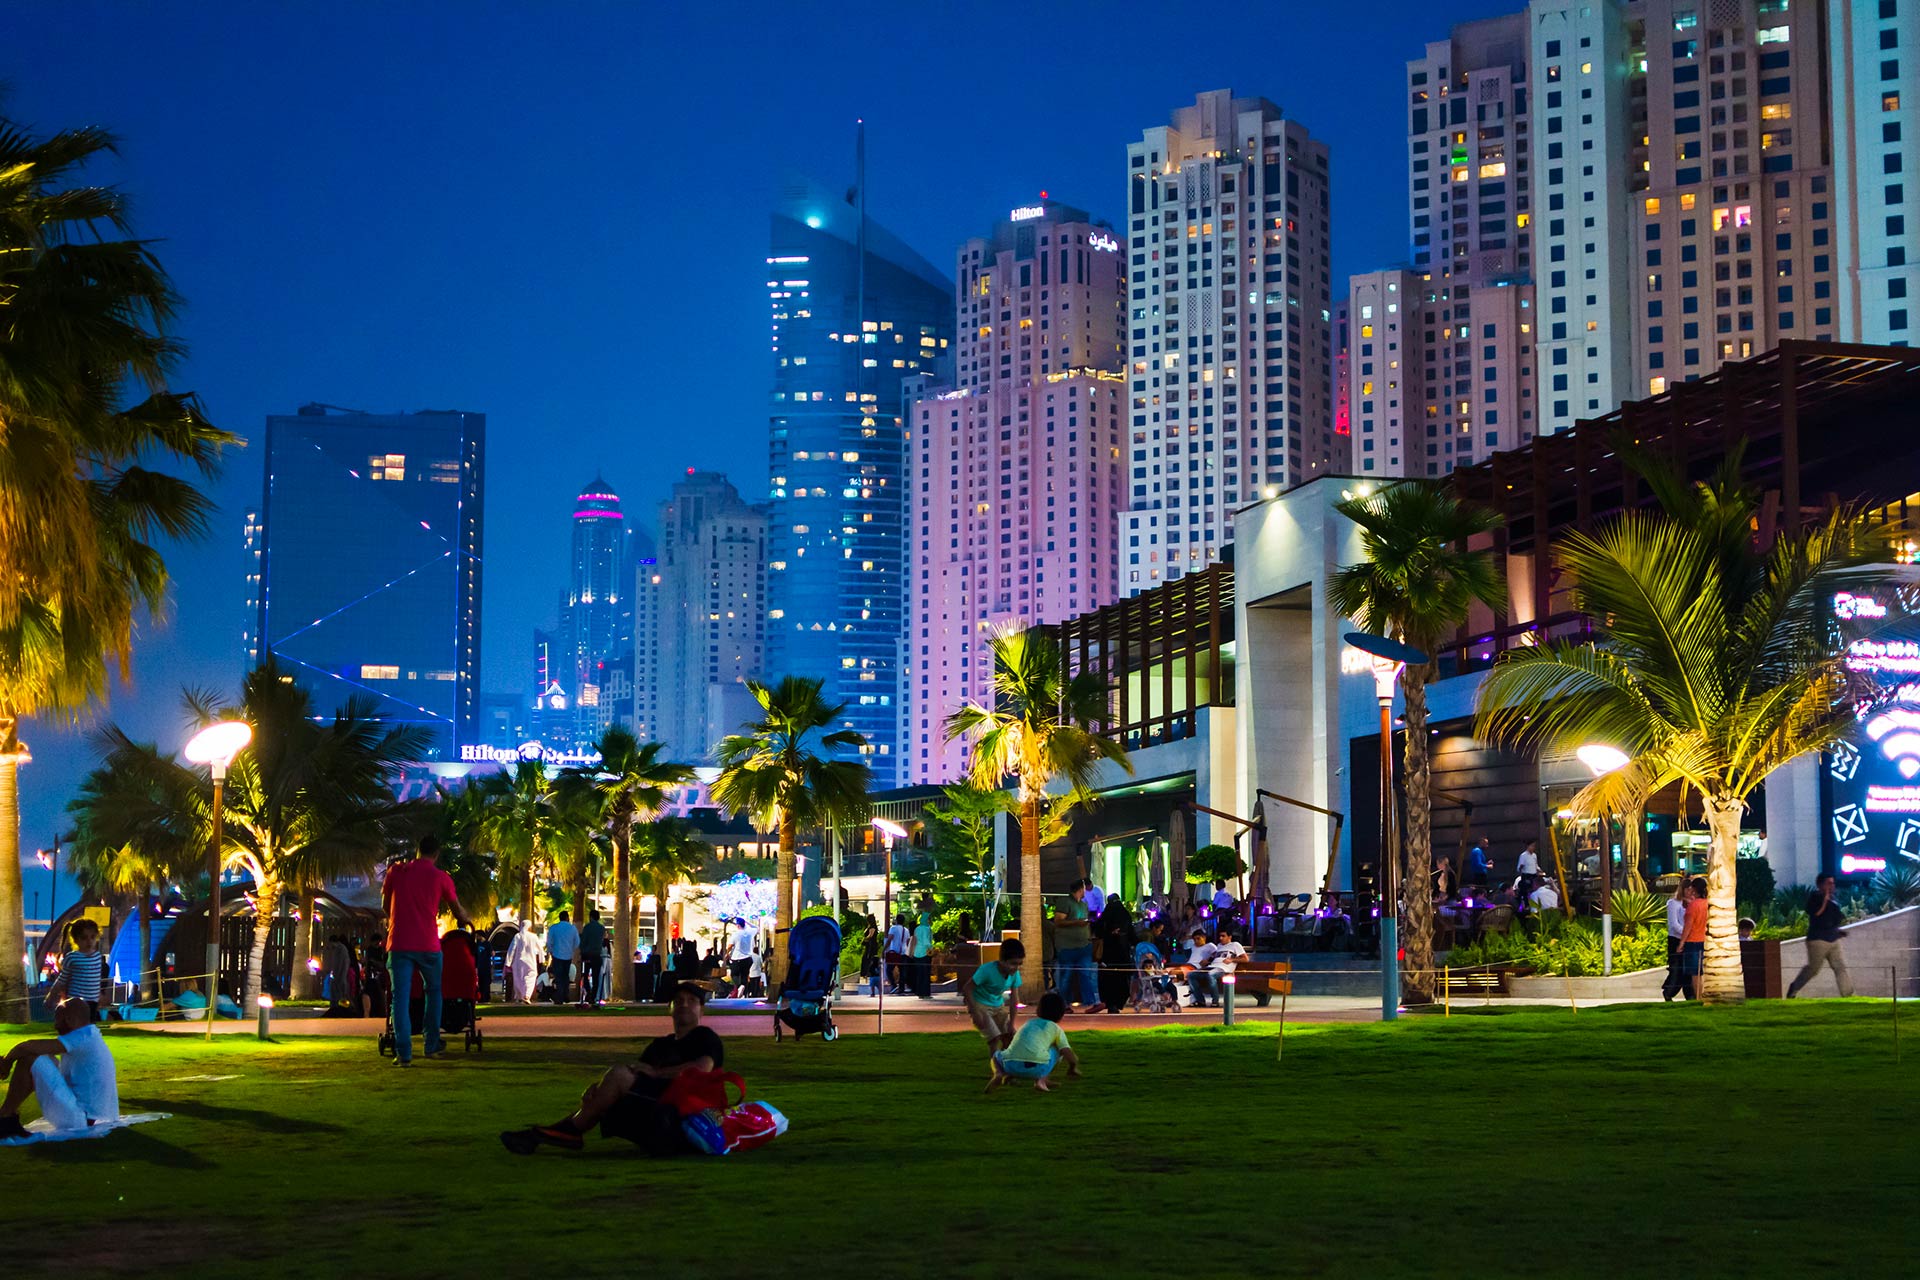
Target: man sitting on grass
point(1037, 1048)
point(626, 1102)
point(991, 995)
point(72, 1075)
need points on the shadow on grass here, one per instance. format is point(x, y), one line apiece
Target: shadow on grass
point(253, 1118)
point(128, 1145)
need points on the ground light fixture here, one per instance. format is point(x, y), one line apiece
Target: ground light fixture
point(892, 831)
point(1601, 759)
point(1390, 658)
point(215, 746)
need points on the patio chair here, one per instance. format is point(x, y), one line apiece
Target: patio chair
point(1498, 920)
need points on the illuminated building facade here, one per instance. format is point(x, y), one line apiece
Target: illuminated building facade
point(1017, 470)
point(854, 312)
point(1229, 315)
point(1875, 69)
point(704, 618)
point(369, 563)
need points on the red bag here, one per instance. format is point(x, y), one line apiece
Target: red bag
point(692, 1091)
point(741, 1128)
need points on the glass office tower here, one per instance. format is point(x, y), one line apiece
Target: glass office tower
point(848, 327)
point(369, 563)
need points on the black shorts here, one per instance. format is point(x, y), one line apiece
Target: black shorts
point(648, 1123)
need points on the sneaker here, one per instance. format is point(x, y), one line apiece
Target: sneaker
point(432, 1054)
point(524, 1142)
point(403, 1062)
point(10, 1127)
point(1095, 1007)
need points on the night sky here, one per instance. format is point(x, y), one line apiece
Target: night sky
point(556, 214)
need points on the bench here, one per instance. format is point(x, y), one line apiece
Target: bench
point(1493, 981)
point(1262, 979)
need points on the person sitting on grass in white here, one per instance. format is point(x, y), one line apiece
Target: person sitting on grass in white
point(1037, 1048)
point(72, 1075)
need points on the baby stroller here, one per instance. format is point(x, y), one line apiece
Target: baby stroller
point(813, 979)
point(1153, 988)
point(459, 996)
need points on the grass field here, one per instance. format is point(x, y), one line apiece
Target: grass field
point(1772, 1139)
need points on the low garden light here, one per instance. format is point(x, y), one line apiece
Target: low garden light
point(265, 1004)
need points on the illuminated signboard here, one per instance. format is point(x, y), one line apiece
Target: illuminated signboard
point(1026, 211)
point(527, 751)
point(1870, 783)
point(1102, 242)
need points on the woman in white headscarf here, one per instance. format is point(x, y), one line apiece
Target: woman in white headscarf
point(523, 964)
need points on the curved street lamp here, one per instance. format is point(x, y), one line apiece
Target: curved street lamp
point(1390, 658)
point(215, 746)
point(1602, 759)
point(892, 831)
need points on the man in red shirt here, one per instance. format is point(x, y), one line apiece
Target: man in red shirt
point(413, 893)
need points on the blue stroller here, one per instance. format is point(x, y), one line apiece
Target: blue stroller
point(813, 979)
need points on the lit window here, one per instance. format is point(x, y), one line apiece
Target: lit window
point(1497, 169)
point(1656, 386)
point(1653, 205)
point(1586, 68)
point(1772, 35)
point(1460, 174)
point(1687, 201)
point(1776, 111)
point(1890, 102)
point(372, 672)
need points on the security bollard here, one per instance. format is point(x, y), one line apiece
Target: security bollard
point(1226, 1001)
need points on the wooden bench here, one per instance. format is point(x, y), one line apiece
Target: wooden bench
point(1494, 981)
point(1262, 979)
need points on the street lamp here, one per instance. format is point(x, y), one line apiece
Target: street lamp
point(215, 746)
point(1601, 760)
point(892, 831)
point(1390, 657)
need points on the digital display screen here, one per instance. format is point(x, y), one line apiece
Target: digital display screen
point(1870, 783)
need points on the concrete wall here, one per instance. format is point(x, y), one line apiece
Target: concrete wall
point(1871, 948)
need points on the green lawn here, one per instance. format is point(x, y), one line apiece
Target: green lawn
point(1771, 1139)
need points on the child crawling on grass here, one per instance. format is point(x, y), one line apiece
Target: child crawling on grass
point(1037, 1048)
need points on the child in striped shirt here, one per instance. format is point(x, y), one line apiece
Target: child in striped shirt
point(83, 972)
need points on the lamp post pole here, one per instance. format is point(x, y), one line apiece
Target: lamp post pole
point(213, 892)
point(889, 831)
point(1389, 893)
point(1602, 759)
point(215, 746)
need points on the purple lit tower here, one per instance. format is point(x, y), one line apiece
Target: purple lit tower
point(1016, 470)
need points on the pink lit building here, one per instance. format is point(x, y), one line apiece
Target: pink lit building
point(1016, 471)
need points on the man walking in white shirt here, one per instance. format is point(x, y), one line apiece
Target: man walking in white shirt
point(563, 947)
point(1529, 863)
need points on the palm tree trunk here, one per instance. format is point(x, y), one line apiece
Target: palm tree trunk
point(1722, 981)
point(1632, 841)
point(783, 904)
point(266, 900)
point(146, 947)
point(305, 981)
point(526, 894)
point(577, 893)
point(1416, 975)
point(13, 929)
point(662, 945)
point(623, 908)
point(1031, 924)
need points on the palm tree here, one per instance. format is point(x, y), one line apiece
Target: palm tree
point(309, 801)
point(87, 311)
point(1036, 733)
point(136, 825)
point(1417, 585)
point(665, 853)
point(776, 773)
point(632, 782)
point(457, 818)
point(1712, 666)
point(517, 826)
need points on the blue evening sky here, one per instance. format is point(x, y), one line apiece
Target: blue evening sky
point(556, 214)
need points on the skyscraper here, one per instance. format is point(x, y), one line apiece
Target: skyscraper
point(369, 563)
point(1230, 312)
point(1876, 149)
point(1016, 471)
point(705, 617)
point(854, 313)
point(596, 601)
